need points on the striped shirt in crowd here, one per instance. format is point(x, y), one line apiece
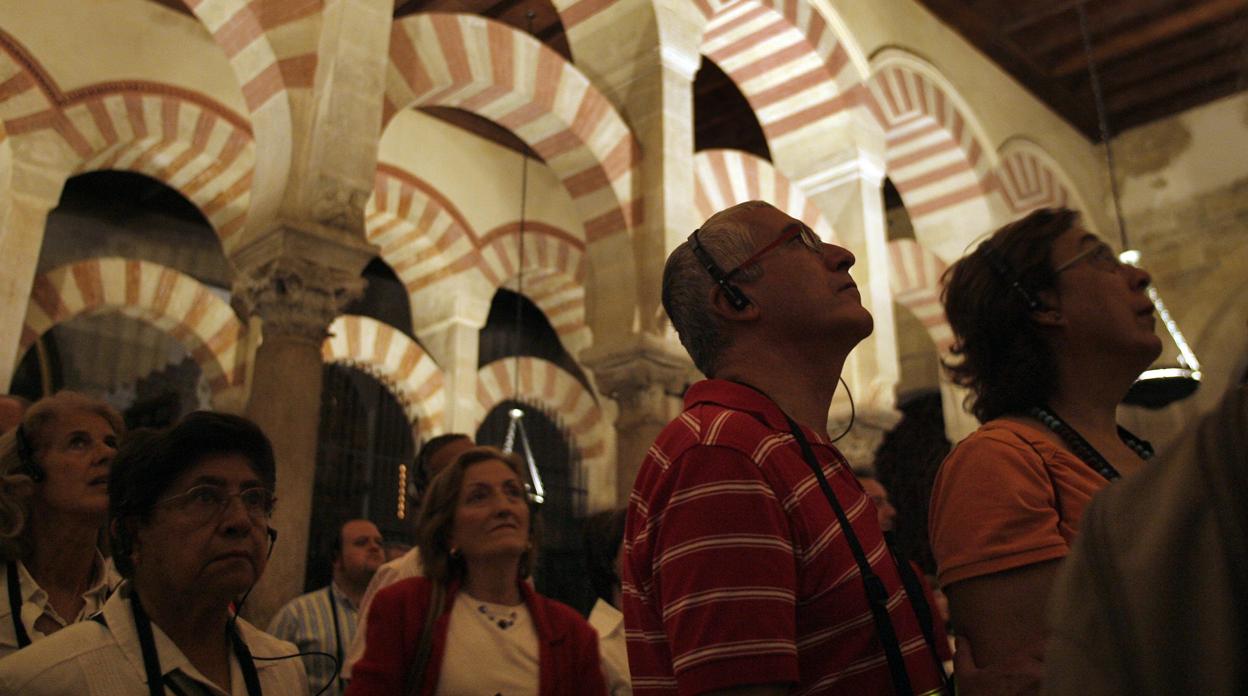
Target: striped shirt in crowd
point(307, 622)
point(736, 570)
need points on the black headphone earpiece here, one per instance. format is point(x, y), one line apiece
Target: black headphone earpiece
point(735, 296)
point(26, 456)
point(272, 533)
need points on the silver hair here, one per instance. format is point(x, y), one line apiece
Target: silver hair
point(687, 286)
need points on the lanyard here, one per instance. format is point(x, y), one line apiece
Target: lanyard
point(333, 611)
point(151, 661)
point(877, 594)
point(1084, 449)
point(15, 606)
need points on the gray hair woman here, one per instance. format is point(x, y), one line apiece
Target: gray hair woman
point(53, 504)
point(189, 512)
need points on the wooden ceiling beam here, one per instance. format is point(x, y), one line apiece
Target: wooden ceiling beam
point(1045, 12)
point(1173, 82)
point(1160, 30)
point(1203, 45)
point(1170, 104)
point(1017, 62)
point(1059, 35)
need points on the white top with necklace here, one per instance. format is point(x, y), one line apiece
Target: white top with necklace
point(490, 649)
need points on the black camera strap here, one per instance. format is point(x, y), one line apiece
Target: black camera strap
point(15, 606)
point(877, 594)
point(151, 660)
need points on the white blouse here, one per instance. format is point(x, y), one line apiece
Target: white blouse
point(490, 649)
point(37, 611)
point(91, 659)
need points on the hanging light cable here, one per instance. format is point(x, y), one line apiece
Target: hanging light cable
point(1160, 384)
point(515, 424)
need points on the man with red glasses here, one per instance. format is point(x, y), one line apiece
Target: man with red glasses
point(755, 563)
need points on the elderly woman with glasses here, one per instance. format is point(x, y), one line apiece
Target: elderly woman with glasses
point(472, 625)
point(53, 504)
point(189, 514)
point(1051, 330)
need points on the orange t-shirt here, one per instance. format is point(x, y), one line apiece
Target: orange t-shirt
point(1004, 498)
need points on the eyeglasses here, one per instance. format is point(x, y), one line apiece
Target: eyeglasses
point(1100, 256)
point(205, 502)
point(797, 230)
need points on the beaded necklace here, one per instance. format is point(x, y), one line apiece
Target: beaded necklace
point(1084, 449)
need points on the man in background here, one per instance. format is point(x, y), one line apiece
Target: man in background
point(325, 620)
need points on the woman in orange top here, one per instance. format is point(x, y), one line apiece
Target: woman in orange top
point(1051, 331)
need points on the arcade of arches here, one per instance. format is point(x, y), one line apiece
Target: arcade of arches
point(206, 204)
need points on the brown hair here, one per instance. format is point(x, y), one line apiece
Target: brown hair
point(437, 516)
point(989, 296)
point(16, 486)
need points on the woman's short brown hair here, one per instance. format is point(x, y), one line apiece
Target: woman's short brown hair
point(437, 516)
point(16, 486)
point(989, 296)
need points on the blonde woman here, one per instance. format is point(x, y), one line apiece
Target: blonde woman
point(53, 504)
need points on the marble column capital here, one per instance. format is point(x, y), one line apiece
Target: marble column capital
point(640, 375)
point(296, 297)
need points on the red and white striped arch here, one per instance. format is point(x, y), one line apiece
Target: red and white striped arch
point(433, 248)
point(181, 138)
point(171, 301)
point(420, 233)
point(271, 45)
point(935, 151)
point(914, 277)
point(396, 361)
point(793, 67)
point(1030, 178)
point(554, 275)
point(488, 68)
point(560, 395)
point(727, 177)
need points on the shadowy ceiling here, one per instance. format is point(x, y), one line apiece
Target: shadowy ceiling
point(1156, 58)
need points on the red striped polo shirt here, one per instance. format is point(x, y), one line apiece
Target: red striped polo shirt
point(736, 571)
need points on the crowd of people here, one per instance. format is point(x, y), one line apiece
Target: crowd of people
point(752, 557)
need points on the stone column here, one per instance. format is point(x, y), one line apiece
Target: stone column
point(454, 344)
point(296, 282)
point(646, 380)
point(23, 217)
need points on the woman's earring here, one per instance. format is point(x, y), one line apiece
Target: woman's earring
point(454, 552)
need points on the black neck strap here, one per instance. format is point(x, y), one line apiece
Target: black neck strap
point(877, 594)
point(1084, 449)
point(151, 660)
point(333, 611)
point(15, 606)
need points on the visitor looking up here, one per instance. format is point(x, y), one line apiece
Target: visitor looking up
point(1051, 330)
point(53, 506)
point(754, 561)
point(472, 624)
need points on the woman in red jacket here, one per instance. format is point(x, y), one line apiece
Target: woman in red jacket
point(473, 625)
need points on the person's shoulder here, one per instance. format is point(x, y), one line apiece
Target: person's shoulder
point(262, 644)
point(400, 592)
point(561, 617)
point(997, 441)
point(22, 671)
point(304, 601)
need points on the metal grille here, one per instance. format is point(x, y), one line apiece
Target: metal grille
point(364, 438)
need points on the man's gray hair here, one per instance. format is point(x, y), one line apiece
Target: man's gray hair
point(687, 285)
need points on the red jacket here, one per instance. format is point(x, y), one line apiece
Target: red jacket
point(568, 660)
